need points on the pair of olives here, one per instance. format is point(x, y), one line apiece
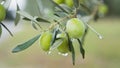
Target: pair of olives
point(46, 38)
point(2, 13)
point(67, 2)
point(75, 29)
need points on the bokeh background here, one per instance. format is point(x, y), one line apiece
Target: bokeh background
point(103, 53)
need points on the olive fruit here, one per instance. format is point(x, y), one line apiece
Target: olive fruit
point(2, 12)
point(45, 40)
point(102, 9)
point(58, 1)
point(69, 3)
point(63, 48)
point(75, 28)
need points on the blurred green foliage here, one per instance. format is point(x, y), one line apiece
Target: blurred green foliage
point(114, 8)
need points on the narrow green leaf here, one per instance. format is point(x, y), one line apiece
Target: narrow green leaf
point(71, 48)
point(25, 14)
point(73, 55)
point(84, 35)
point(33, 25)
point(60, 14)
point(33, 22)
point(55, 32)
point(82, 51)
point(7, 29)
point(69, 42)
point(59, 6)
point(37, 23)
point(76, 3)
point(17, 19)
point(0, 30)
point(26, 19)
point(56, 44)
point(25, 45)
point(65, 7)
point(42, 20)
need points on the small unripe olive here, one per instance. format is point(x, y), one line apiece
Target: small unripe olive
point(69, 3)
point(2, 12)
point(102, 9)
point(58, 1)
point(45, 40)
point(63, 48)
point(75, 28)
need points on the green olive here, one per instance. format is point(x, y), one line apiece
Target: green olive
point(2, 12)
point(58, 1)
point(45, 40)
point(69, 3)
point(75, 28)
point(102, 9)
point(63, 48)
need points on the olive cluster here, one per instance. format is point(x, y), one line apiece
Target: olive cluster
point(75, 29)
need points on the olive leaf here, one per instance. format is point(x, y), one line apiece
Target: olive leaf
point(7, 29)
point(60, 14)
point(54, 37)
point(25, 14)
point(56, 44)
point(29, 17)
point(84, 35)
point(73, 54)
point(26, 19)
point(0, 30)
point(65, 7)
point(71, 48)
point(33, 25)
point(25, 45)
point(82, 51)
point(17, 19)
point(42, 20)
point(38, 19)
